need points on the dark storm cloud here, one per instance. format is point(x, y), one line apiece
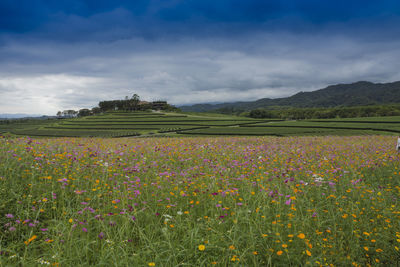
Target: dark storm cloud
point(71, 54)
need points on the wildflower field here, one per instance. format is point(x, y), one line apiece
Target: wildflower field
point(246, 201)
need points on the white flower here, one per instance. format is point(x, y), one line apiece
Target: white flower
point(43, 262)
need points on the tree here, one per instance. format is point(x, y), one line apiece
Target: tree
point(84, 112)
point(96, 110)
point(134, 102)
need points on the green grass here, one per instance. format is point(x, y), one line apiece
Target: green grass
point(275, 131)
point(118, 123)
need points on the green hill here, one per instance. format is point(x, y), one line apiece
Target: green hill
point(355, 94)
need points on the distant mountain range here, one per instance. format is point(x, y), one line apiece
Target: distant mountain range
point(18, 116)
point(355, 94)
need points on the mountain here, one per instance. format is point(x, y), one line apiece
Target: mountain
point(18, 116)
point(355, 94)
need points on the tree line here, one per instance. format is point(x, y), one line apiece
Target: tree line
point(325, 113)
point(128, 104)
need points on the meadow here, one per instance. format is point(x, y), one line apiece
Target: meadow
point(204, 201)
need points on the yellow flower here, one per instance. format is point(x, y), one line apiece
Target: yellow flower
point(366, 248)
point(301, 236)
point(152, 264)
point(201, 247)
point(231, 247)
point(308, 253)
point(284, 246)
point(30, 239)
point(279, 252)
point(70, 220)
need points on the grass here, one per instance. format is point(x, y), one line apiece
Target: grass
point(245, 201)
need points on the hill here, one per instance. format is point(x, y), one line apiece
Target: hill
point(356, 94)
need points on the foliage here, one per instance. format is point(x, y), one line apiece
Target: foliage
point(326, 113)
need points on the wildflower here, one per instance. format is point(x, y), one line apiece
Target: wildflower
point(201, 247)
point(9, 215)
point(308, 253)
point(279, 252)
point(152, 264)
point(30, 239)
point(101, 235)
point(301, 236)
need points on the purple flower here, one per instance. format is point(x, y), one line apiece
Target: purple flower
point(84, 229)
point(239, 204)
point(133, 218)
point(101, 235)
point(288, 201)
point(12, 229)
point(9, 215)
point(44, 229)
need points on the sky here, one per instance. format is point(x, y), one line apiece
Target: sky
point(57, 55)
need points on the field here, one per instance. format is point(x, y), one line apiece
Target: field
point(204, 201)
point(123, 124)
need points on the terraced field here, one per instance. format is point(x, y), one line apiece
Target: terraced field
point(119, 124)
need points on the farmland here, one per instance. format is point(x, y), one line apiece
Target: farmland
point(204, 201)
point(124, 124)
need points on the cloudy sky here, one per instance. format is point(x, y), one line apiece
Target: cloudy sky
point(71, 54)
